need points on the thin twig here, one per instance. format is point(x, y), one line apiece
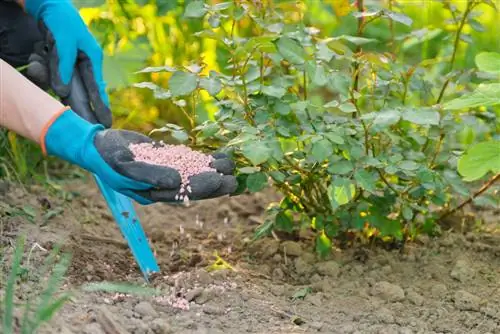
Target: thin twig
point(382, 177)
point(481, 190)
point(455, 48)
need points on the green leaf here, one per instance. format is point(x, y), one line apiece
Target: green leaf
point(256, 152)
point(340, 167)
point(180, 135)
point(317, 73)
point(389, 227)
point(479, 160)
point(182, 83)
point(476, 25)
point(256, 182)
point(407, 212)
point(284, 221)
point(263, 230)
point(277, 176)
point(485, 95)
point(282, 108)
point(347, 107)
point(384, 118)
point(248, 170)
point(291, 50)
point(341, 192)
point(365, 180)
point(323, 244)
point(421, 117)
point(356, 40)
point(334, 138)
point(157, 69)
point(322, 149)
point(212, 85)
point(408, 165)
point(274, 91)
point(488, 62)
point(399, 17)
point(195, 9)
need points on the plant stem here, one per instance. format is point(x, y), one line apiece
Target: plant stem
point(438, 149)
point(481, 190)
point(455, 48)
point(391, 28)
point(382, 177)
point(361, 25)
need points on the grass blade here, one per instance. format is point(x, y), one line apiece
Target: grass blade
point(8, 313)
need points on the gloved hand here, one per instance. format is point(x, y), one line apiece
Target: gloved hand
point(69, 45)
point(106, 154)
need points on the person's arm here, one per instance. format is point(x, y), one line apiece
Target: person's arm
point(24, 108)
point(32, 113)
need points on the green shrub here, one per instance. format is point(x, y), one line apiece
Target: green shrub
point(354, 137)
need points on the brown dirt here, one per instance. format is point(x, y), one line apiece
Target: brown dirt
point(445, 285)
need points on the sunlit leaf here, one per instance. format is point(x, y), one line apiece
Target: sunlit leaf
point(322, 149)
point(212, 85)
point(274, 91)
point(182, 83)
point(399, 17)
point(157, 69)
point(257, 152)
point(365, 180)
point(485, 95)
point(323, 244)
point(479, 160)
point(422, 117)
point(355, 40)
point(195, 9)
point(291, 50)
point(488, 62)
point(341, 192)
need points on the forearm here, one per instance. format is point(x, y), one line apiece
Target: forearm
point(25, 108)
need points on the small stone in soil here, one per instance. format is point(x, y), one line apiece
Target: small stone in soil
point(388, 291)
point(466, 301)
point(291, 248)
point(328, 268)
point(192, 294)
point(145, 309)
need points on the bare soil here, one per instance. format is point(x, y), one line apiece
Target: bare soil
point(449, 284)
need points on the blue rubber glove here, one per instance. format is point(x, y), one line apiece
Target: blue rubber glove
point(71, 45)
point(105, 153)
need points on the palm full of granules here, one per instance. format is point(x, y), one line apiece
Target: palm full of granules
point(179, 157)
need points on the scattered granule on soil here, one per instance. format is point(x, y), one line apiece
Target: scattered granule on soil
point(179, 157)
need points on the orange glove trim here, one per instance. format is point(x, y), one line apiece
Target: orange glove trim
point(47, 126)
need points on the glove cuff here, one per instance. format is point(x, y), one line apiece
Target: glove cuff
point(67, 135)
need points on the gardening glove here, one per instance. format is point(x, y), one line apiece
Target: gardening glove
point(105, 153)
point(78, 98)
point(68, 45)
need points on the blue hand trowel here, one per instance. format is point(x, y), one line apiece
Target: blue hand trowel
point(120, 206)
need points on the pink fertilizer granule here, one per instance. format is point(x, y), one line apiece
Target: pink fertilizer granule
point(182, 158)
